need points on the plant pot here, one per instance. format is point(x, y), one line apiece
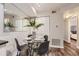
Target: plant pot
point(7, 29)
point(11, 29)
point(33, 35)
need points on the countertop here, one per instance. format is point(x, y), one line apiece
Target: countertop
point(2, 42)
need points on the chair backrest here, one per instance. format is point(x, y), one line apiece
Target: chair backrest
point(30, 35)
point(17, 45)
point(46, 37)
point(43, 48)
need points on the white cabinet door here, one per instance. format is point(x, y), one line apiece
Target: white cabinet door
point(3, 50)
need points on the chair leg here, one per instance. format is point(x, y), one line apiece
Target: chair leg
point(18, 53)
point(48, 53)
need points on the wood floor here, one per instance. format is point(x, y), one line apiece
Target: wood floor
point(68, 50)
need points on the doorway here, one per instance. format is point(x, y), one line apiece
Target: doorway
point(72, 30)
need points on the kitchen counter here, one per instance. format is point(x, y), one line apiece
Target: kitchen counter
point(2, 42)
point(3, 50)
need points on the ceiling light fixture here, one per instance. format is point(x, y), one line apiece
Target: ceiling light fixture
point(34, 10)
point(53, 11)
point(38, 4)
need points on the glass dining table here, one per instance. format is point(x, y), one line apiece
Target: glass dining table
point(33, 44)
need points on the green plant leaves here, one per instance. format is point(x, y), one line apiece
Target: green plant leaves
point(28, 26)
point(8, 24)
point(33, 24)
point(39, 25)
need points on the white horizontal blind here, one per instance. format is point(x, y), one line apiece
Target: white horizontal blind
point(45, 28)
point(18, 25)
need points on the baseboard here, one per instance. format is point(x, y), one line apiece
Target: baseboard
point(51, 46)
point(67, 41)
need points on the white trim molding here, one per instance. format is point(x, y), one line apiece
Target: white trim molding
point(51, 46)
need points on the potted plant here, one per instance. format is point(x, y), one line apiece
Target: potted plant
point(33, 24)
point(9, 26)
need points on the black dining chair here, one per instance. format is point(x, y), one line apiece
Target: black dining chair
point(46, 37)
point(30, 35)
point(20, 47)
point(42, 49)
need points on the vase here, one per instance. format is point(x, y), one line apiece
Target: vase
point(33, 33)
point(7, 29)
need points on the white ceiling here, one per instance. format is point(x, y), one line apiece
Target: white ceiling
point(25, 9)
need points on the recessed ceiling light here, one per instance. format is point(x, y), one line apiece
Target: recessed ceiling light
point(34, 10)
point(38, 4)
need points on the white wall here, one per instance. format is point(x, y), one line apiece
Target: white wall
point(1, 19)
point(78, 32)
point(57, 27)
point(67, 30)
